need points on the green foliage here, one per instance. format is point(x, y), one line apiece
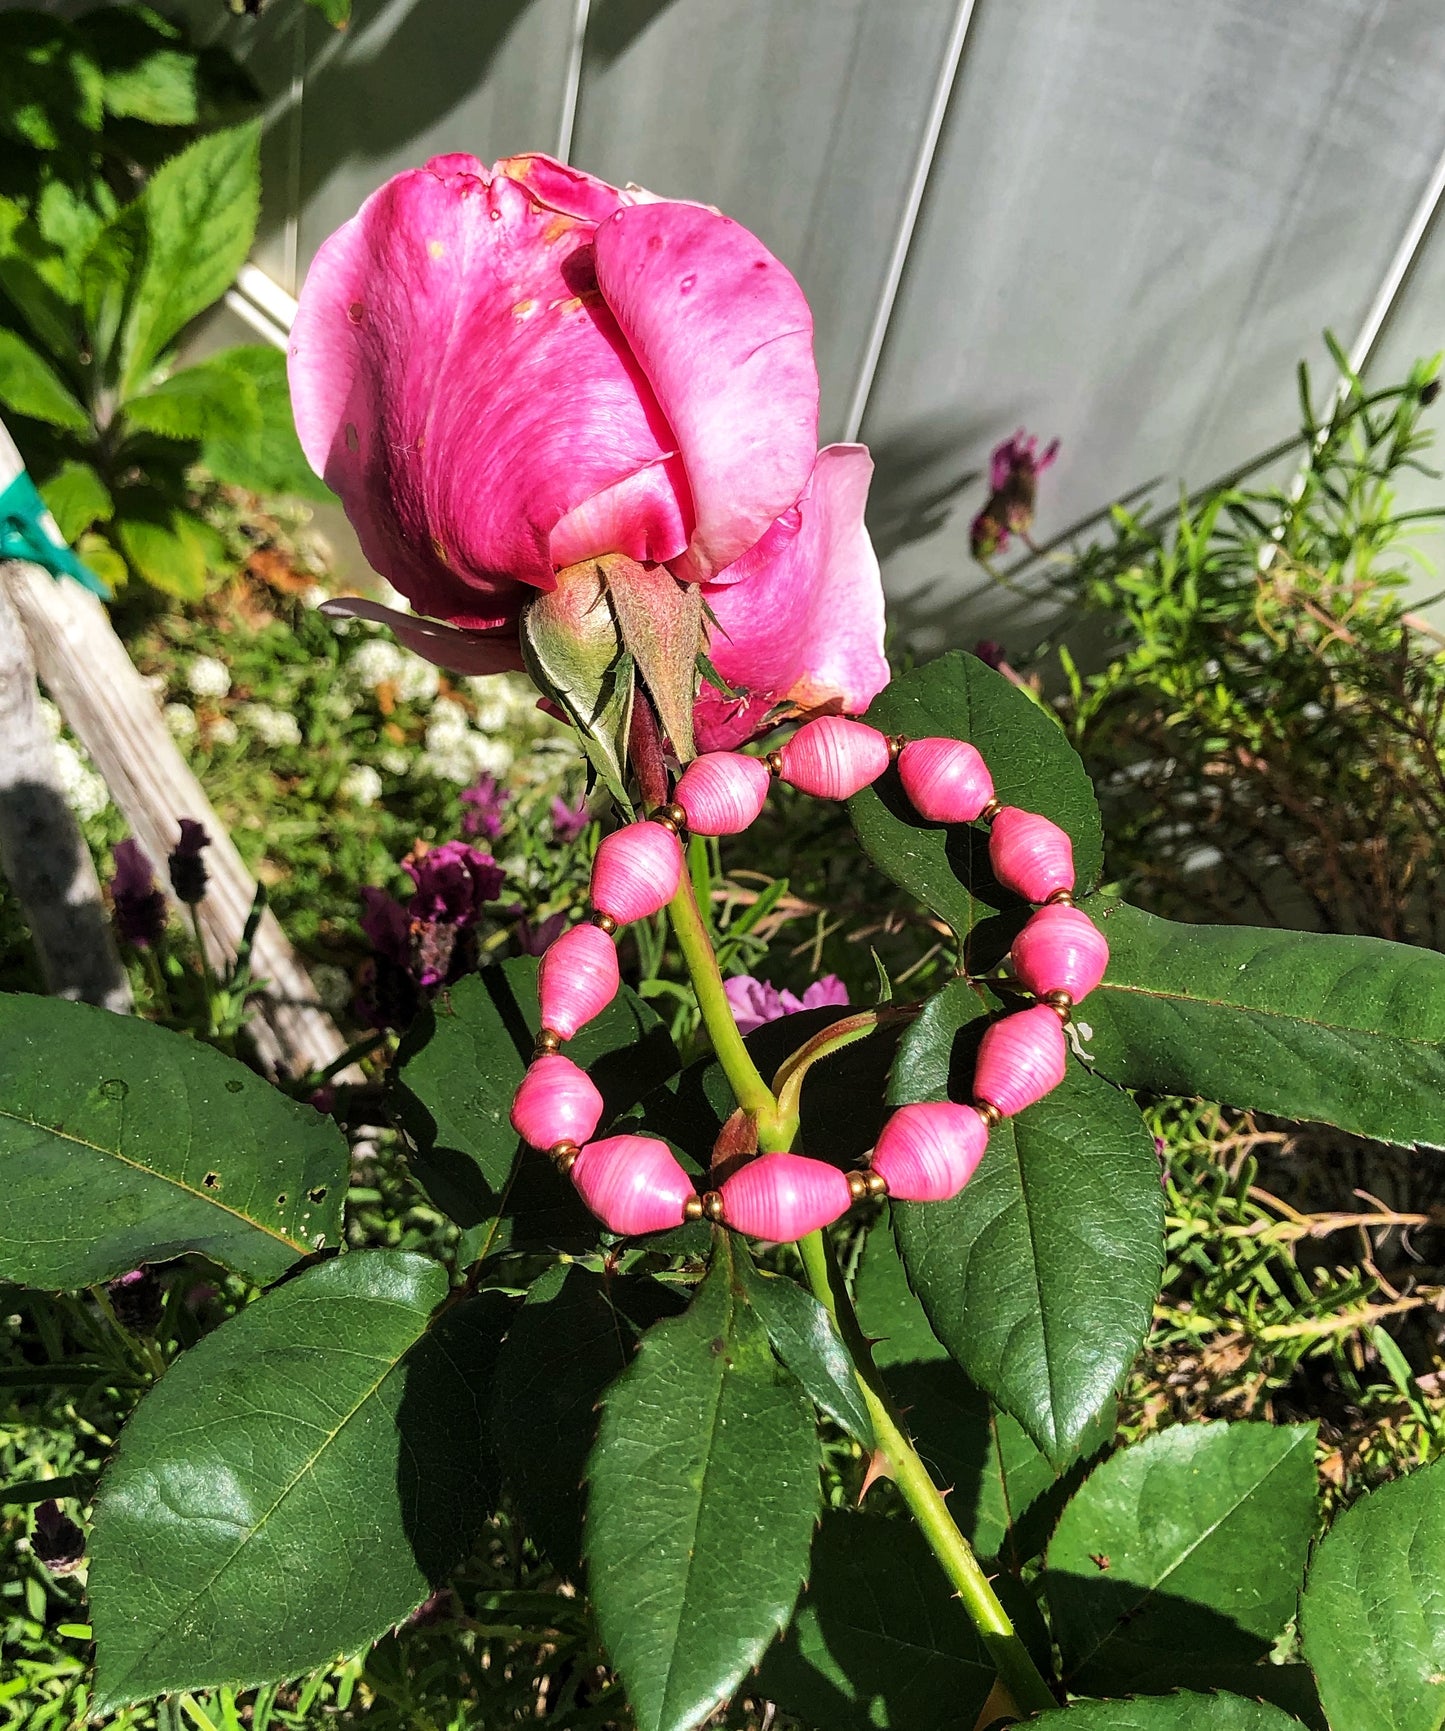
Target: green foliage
point(878, 1640)
point(704, 1494)
point(1373, 1612)
point(1180, 1712)
point(1006, 1495)
point(296, 1484)
point(1182, 1553)
point(1345, 1030)
point(119, 225)
point(1039, 1276)
point(120, 1143)
point(573, 1336)
point(806, 1341)
point(1265, 740)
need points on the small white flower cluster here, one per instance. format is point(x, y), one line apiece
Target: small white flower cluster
point(180, 721)
point(207, 677)
point(503, 700)
point(380, 662)
point(453, 751)
point(273, 727)
point(84, 791)
point(223, 732)
point(361, 785)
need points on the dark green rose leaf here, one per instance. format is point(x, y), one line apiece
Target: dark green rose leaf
point(804, 1337)
point(1171, 1713)
point(704, 1491)
point(1040, 1277)
point(1373, 1613)
point(1182, 1553)
point(573, 1336)
point(123, 1143)
point(1342, 1030)
point(1032, 764)
point(297, 1483)
point(1005, 1495)
point(459, 1069)
point(879, 1638)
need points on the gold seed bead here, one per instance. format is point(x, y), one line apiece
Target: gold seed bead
point(990, 811)
point(1060, 899)
point(990, 1113)
point(877, 1183)
point(692, 1208)
point(1060, 1003)
point(604, 922)
point(895, 745)
point(547, 1043)
point(858, 1185)
point(774, 761)
point(712, 1205)
point(671, 817)
point(565, 1154)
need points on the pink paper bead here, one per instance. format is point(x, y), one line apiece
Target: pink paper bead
point(946, 780)
point(1060, 950)
point(928, 1152)
point(782, 1196)
point(636, 871)
point(1031, 856)
point(557, 1101)
point(1020, 1059)
point(722, 792)
point(832, 757)
point(578, 979)
point(632, 1184)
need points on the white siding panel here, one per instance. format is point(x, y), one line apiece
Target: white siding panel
point(1141, 215)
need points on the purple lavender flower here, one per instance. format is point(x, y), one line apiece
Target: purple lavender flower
point(140, 907)
point(425, 942)
point(387, 926)
point(184, 862)
point(568, 821)
point(486, 802)
point(57, 1541)
point(536, 940)
point(1014, 469)
point(754, 1002)
point(453, 883)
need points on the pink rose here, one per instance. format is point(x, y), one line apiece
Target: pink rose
point(506, 372)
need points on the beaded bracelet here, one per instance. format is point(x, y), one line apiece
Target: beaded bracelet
point(925, 1153)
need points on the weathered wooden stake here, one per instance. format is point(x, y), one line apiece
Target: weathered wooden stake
point(114, 714)
point(42, 852)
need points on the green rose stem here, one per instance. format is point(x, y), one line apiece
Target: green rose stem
point(749, 1089)
point(777, 1126)
point(1016, 1669)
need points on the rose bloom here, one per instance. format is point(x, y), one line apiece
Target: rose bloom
point(506, 372)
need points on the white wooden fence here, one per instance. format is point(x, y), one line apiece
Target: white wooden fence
point(1120, 222)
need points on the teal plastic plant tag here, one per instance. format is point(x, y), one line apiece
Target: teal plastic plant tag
point(24, 534)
